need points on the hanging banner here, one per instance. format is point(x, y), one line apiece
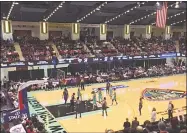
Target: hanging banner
point(44, 27)
point(127, 29)
point(148, 29)
point(168, 29)
point(76, 28)
point(7, 26)
point(103, 29)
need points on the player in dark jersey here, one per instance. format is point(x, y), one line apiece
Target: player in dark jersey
point(107, 87)
point(140, 106)
point(72, 102)
point(104, 107)
point(65, 95)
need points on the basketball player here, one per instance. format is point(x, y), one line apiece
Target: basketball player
point(170, 110)
point(107, 87)
point(104, 107)
point(111, 91)
point(65, 95)
point(82, 83)
point(114, 97)
point(140, 106)
point(78, 107)
point(100, 95)
point(72, 102)
point(79, 94)
point(61, 84)
point(94, 100)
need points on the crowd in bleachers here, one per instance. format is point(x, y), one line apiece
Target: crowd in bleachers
point(3, 98)
point(29, 124)
point(173, 125)
point(8, 53)
point(33, 125)
point(69, 48)
point(140, 46)
point(13, 94)
point(34, 49)
point(182, 44)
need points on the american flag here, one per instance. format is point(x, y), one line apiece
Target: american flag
point(161, 16)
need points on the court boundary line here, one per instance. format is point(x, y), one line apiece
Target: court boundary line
point(49, 113)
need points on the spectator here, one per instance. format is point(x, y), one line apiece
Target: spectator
point(127, 124)
point(135, 123)
point(183, 131)
point(5, 82)
point(153, 115)
point(162, 127)
point(139, 129)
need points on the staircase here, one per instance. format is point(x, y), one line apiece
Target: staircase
point(56, 50)
point(113, 46)
point(18, 49)
point(87, 49)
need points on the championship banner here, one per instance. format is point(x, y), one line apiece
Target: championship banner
point(103, 29)
point(44, 27)
point(148, 29)
point(127, 29)
point(168, 30)
point(7, 28)
point(76, 28)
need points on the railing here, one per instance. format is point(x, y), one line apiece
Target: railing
point(91, 60)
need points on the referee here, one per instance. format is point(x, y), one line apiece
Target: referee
point(72, 102)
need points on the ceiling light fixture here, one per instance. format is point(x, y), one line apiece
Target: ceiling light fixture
point(138, 3)
point(175, 15)
point(177, 5)
point(144, 17)
point(56, 9)
point(178, 22)
point(96, 9)
point(158, 4)
point(11, 8)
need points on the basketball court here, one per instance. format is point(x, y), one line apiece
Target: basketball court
point(157, 92)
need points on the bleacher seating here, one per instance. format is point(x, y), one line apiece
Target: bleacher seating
point(69, 48)
point(101, 48)
point(137, 46)
point(35, 49)
point(182, 43)
point(8, 53)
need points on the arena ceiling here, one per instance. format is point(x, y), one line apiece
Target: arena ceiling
point(72, 11)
